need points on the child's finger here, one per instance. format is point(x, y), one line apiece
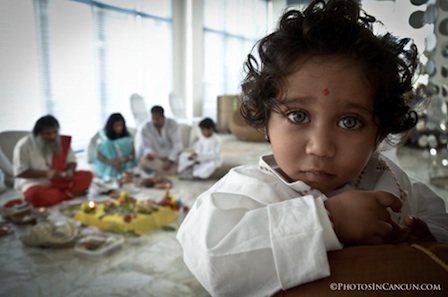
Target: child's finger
point(418, 226)
point(410, 221)
point(384, 230)
point(397, 228)
point(389, 200)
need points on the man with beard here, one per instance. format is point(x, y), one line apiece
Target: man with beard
point(44, 166)
point(161, 143)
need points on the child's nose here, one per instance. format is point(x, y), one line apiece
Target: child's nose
point(321, 143)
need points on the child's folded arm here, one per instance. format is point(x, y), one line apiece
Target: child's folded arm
point(428, 206)
point(234, 244)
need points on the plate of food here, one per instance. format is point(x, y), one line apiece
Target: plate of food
point(18, 211)
point(70, 208)
point(98, 244)
point(15, 206)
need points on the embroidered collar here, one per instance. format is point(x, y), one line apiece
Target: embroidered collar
point(268, 163)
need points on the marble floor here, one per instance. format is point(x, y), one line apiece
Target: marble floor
point(153, 266)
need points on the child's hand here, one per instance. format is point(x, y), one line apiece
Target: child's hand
point(361, 217)
point(415, 231)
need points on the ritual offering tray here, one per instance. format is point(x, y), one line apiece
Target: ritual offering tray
point(125, 214)
point(51, 234)
point(98, 244)
point(156, 182)
point(70, 208)
point(18, 211)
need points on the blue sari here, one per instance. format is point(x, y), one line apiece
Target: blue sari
point(112, 150)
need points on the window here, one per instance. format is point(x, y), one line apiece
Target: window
point(231, 28)
point(80, 60)
point(20, 100)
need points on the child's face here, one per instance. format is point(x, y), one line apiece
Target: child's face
point(325, 132)
point(206, 132)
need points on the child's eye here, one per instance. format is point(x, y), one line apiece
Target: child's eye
point(298, 117)
point(350, 123)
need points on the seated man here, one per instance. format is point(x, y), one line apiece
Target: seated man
point(44, 166)
point(161, 143)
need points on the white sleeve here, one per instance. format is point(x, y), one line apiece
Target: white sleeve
point(212, 153)
point(176, 140)
point(21, 160)
point(145, 142)
point(236, 246)
point(420, 201)
point(70, 157)
point(429, 207)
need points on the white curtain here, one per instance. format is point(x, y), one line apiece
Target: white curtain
point(231, 28)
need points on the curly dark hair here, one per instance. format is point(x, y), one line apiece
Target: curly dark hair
point(109, 127)
point(332, 28)
point(207, 123)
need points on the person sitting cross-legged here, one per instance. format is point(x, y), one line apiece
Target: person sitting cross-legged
point(45, 166)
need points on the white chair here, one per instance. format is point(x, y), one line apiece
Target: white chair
point(177, 106)
point(8, 140)
point(139, 110)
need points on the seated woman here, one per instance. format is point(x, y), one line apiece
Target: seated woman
point(115, 154)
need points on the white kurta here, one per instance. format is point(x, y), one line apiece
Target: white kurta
point(253, 233)
point(167, 144)
point(208, 150)
point(27, 155)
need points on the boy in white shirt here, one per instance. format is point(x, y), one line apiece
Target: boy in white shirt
point(206, 156)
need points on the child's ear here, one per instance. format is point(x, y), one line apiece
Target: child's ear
point(266, 134)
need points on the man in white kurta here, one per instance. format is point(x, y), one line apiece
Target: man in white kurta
point(160, 143)
point(253, 233)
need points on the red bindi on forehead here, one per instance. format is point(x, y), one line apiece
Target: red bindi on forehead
point(326, 92)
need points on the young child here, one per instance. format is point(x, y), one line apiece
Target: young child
point(206, 157)
point(326, 91)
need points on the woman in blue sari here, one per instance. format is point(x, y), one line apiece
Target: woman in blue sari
point(115, 154)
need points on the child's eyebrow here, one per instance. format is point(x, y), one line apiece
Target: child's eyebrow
point(301, 100)
point(346, 104)
point(360, 107)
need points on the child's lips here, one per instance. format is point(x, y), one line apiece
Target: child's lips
point(317, 175)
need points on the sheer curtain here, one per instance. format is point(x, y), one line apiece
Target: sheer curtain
point(80, 60)
point(134, 51)
point(231, 28)
point(20, 101)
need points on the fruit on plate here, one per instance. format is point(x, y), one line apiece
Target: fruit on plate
point(127, 217)
point(95, 242)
